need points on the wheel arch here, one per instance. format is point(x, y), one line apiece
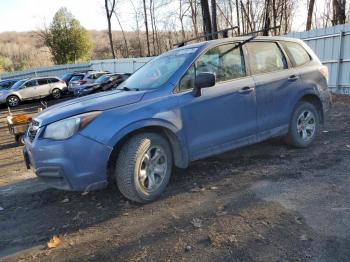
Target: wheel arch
point(316, 101)
point(14, 94)
point(167, 130)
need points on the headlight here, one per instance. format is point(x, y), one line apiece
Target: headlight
point(66, 128)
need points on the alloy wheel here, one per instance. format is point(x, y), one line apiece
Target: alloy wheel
point(153, 168)
point(306, 125)
point(56, 93)
point(13, 101)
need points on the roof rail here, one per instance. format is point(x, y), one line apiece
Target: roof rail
point(224, 32)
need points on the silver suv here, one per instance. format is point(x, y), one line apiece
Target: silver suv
point(33, 88)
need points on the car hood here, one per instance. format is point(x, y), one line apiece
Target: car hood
point(95, 102)
point(4, 91)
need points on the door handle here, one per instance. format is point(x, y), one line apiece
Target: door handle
point(293, 78)
point(246, 89)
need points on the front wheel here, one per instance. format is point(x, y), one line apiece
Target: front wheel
point(56, 93)
point(143, 167)
point(304, 125)
point(13, 101)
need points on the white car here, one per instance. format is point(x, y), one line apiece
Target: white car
point(33, 88)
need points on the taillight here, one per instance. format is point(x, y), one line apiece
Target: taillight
point(81, 82)
point(324, 71)
point(62, 82)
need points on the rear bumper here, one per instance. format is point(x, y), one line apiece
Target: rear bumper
point(76, 164)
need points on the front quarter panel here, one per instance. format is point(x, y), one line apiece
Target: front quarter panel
point(155, 109)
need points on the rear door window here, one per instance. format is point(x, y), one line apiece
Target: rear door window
point(265, 57)
point(53, 80)
point(42, 82)
point(296, 53)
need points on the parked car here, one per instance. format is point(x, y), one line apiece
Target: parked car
point(103, 83)
point(33, 88)
point(88, 78)
point(7, 84)
point(68, 77)
point(187, 104)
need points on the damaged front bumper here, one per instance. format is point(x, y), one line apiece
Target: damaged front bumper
point(77, 164)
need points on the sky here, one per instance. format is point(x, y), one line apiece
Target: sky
point(29, 15)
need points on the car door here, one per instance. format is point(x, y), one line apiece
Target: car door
point(274, 84)
point(224, 116)
point(29, 90)
point(44, 87)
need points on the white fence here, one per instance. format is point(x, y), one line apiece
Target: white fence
point(126, 65)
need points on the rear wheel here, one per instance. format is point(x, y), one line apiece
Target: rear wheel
point(143, 167)
point(13, 101)
point(304, 125)
point(56, 93)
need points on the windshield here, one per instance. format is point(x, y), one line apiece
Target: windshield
point(4, 85)
point(67, 76)
point(18, 84)
point(158, 71)
point(102, 79)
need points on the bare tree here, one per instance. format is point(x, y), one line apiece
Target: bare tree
point(214, 19)
point(339, 16)
point(207, 29)
point(137, 28)
point(146, 26)
point(109, 7)
point(310, 11)
point(194, 14)
point(126, 49)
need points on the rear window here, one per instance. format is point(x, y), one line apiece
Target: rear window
point(77, 78)
point(296, 53)
point(42, 81)
point(53, 80)
point(265, 57)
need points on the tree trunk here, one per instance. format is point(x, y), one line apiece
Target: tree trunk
point(146, 25)
point(310, 11)
point(206, 19)
point(339, 15)
point(267, 18)
point(237, 13)
point(109, 16)
point(214, 19)
point(193, 6)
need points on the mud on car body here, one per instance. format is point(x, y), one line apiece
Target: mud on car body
point(186, 104)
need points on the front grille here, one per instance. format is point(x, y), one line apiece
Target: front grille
point(33, 130)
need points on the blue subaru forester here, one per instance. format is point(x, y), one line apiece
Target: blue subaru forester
point(189, 103)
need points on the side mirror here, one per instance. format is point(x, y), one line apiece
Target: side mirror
point(203, 80)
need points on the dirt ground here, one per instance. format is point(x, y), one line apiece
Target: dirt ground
point(266, 202)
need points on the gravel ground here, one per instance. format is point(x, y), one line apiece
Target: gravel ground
point(266, 202)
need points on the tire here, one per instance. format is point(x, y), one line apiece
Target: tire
point(56, 93)
point(140, 157)
point(20, 140)
point(13, 101)
point(304, 125)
